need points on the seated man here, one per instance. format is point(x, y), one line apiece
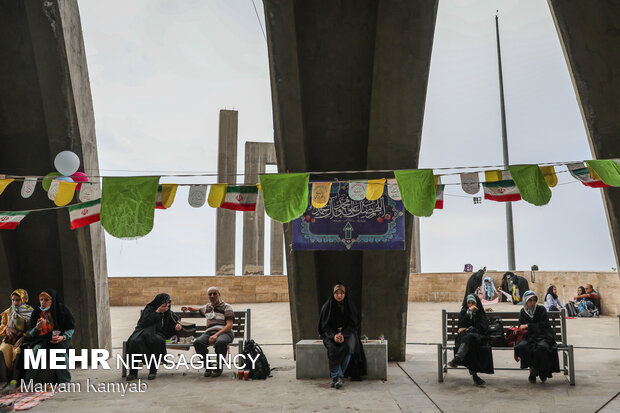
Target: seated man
point(591, 297)
point(219, 333)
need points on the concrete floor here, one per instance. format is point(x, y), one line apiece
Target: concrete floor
point(412, 385)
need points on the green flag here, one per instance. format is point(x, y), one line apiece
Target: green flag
point(417, 188)
point(531, 183)
point(285, 195)
point(128, 205)
point(607, 169)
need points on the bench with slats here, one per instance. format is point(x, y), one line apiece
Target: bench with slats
point(450, 322)
point(241, 331)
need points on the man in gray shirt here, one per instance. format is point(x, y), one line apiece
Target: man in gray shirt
point(219, 332)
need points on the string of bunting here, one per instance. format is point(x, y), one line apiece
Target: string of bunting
point(125, 205)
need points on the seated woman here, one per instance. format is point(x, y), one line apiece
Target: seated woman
point(470, 347)
point(156, 324)
point(537, 350)
point(552, 301)
point(52, 328)
point(338, 327)
point(15, 322)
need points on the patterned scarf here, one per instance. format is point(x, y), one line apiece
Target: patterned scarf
point(19, 316)
point(526, 297)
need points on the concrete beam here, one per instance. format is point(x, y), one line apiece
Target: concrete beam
point(226, 220)
point(590, 36)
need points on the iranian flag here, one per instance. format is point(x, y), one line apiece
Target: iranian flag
point(582, 174)
point(10, 220)
point(439, 196)
point(240, 198)
point(501, 191)
point(85, 213)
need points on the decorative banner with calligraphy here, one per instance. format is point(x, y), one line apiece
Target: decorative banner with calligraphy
point(349, 224)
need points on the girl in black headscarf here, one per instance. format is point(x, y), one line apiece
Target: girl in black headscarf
point(52, 328)
point(156, 324)
point(537, 350)
point(338, 327)
point(470, 347)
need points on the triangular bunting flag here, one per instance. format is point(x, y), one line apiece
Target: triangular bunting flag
point(581, 173)
point(357, 190)
point(239, 198)
point(28, 187)
point(65, 193)
point(501, 191)
point(439, 196)
point(85, 213)
point(4, 183)
point(10, 220)
point(531, 184)
point(417, 187)
point(320, 194)
point(470, 183)
point(375, 188)
point(607, 169)
point(197, 195)
point(285, 195)
point(550, 177)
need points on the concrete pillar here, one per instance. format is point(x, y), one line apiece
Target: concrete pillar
point(277, 253)
point(415, 264)
point(47, 108)
point(363, 66)
point(226, 173)
point(590, 36)
point(257, 156)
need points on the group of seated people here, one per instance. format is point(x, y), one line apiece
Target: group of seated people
point(586, 303)
point(50, 326)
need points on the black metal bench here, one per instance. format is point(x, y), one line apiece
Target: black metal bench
point(241, 330)
point(450, 322)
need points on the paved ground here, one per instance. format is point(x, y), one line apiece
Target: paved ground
point(412, 385)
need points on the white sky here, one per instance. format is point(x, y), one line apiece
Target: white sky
point(160, 71)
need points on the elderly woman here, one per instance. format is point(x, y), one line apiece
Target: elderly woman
point(52, 327)
point(156, 324)
point(15, 322)
point(339, 329)
point(470, 347)
point(537, 350)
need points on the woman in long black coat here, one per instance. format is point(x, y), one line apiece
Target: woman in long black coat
point(339, 329)
point(473, 283)
point(470, 348)
point(156, 324)
point(537, 350)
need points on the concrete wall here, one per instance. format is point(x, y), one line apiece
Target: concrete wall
point(422, 287)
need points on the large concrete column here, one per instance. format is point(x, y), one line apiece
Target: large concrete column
point(225, 225)
point(415, 264)
point(590, 36)
point(348, 83)
point(277, 249)
point(46, 107)
point(257, 156)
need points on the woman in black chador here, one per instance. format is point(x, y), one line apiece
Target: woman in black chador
point(156, 324)
point(473, 283)
point(537, 350)
point(338, 327)
point(470, 347)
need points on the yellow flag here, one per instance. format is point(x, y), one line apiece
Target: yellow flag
point(493, 176)
point(550, 177)
point(260, 188)
point(437, 180)
point(168, 192)
point(217, 195)
point(65, 193)
point(374, 190)
point(4, 183)
point(320, 194)
point(593, 173)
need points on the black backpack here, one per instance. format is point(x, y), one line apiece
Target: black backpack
point(261, 369)
point(496, 332)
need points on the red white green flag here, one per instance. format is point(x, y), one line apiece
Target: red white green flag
point(10, 220)
point(582, 174)
point(240, 198)
point(501, 191)
point(85, 213)
point(439, 196)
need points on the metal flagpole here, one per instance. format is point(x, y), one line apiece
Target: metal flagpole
point(510, 237)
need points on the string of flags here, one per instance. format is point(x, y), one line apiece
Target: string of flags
point(125, 205)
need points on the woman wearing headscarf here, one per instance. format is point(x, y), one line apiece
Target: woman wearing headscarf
point(339, 329)
point(470, 347)
point(156, 324)
point(552, 301)
point(517, 286)
point(52, 326)
point(537, 350)
point(473, 283)
point(15, 322)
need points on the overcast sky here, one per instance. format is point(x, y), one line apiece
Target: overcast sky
point(160, 71)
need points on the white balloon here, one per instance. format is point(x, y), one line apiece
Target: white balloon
point(67, 163)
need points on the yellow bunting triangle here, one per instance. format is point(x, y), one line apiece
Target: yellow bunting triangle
point(493, 176)
point(320, 194)
point(593, 173)
point(217, 195)
point(4, 183)
point(65, 193)
point(550, 177)
point(374, 190)
point(168, 192)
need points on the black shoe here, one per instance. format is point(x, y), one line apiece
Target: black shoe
point(131, 377)
point(456, 361)
point(333, 381)
point(339, 383)
point(478, 381)
point(532, 379)
point(542, 378)
point(207, 373)
point(152, 376)
point(216, 373)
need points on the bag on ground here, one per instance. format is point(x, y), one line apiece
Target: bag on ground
point(261, 369)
